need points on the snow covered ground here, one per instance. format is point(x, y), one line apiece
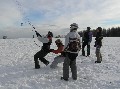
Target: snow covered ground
point(17, 67)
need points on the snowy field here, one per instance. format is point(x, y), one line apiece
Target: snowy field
point(17, 67)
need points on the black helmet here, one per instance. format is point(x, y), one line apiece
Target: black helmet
point(50, 34)
point(88, 28)
point(99, 28)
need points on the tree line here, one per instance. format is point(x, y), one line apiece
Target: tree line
point(110, 32)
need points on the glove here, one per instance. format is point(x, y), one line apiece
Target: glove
point(63, 54)
point(38, 34)
point(95, 44)
point(51, 50)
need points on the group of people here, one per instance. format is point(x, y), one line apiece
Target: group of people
point(86, 40)
point(69, 51)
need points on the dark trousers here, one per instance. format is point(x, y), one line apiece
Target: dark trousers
point(41, 54)
point(88, 48)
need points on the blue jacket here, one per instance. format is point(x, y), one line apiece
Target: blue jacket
point(87, 37)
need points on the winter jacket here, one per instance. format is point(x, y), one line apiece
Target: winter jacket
point(46, 43)
point(43, 40)
point(72, 34)
point(87, 37)
point(59, 50)
point(98, 39)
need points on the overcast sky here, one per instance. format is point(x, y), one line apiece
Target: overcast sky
point(55, 15)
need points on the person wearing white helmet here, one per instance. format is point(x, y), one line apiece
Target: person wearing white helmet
point(72, 48)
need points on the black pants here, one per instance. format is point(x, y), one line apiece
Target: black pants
point(88, 48)
point(41, 54)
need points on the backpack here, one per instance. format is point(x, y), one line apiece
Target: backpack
point(74, 45)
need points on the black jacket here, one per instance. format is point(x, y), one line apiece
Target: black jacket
point(46, 46)
point(98, 39)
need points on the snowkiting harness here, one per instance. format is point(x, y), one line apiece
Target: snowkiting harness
point(73, 45)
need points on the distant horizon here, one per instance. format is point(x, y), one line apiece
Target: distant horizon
point(62, 35)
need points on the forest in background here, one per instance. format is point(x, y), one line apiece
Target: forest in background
point(110, 32)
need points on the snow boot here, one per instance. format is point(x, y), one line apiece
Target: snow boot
point(74, 78)
point(47, 63)
point(97, 61)
point(64, 79)
point(37, 66)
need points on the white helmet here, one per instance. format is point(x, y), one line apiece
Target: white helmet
point(74, 25)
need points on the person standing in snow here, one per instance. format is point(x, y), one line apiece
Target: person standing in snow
point(59, 58)
point(72, 48)
point(44, 50)
point(86, 40)
point(98, 44)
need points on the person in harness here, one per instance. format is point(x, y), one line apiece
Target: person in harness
point(44, 50)
point(86, 40)
point(72, 48)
